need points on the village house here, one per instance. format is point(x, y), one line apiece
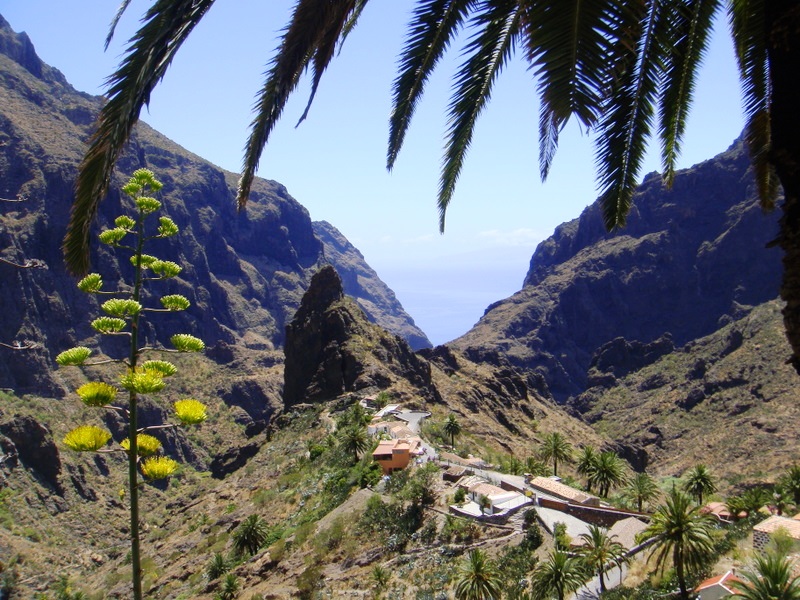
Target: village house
point(717, 587)
point(499, 500)
point(625, 531)
point(720, 511)
point(763, 532)
point(394, 429)
point(394, 455)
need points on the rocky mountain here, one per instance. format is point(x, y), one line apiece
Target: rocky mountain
point(362, 283)
point(691, 258)
point(727, 399)
point(245, 273)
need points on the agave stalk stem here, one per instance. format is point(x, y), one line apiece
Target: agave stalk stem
point(133, 426)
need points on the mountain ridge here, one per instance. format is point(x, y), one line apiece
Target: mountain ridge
point(249, 270)
point(689, 256)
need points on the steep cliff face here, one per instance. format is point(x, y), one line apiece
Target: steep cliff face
point(244, 273)
point(689, 257)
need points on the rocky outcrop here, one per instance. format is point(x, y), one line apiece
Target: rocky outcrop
point(331, 348)
point(690, 259)
point(33, 444)
point(619, 357)
point(727, 399)
point(362, 283)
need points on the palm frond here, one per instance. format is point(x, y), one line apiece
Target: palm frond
point(339, 18)
point(310, 37)
point(352, 21)
point(432, 28)
point(690, 30)
point(113, 26)
point(571, 46)
point(166, 25)
point(549, 129)
point(626, 121)
point(750, 38)
point(497, 23)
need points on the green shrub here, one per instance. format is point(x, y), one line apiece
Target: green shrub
point(217, 566)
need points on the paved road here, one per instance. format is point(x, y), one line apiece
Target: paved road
point(414, 419)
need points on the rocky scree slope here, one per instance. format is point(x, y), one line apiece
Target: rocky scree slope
point(244, 273)
point(689, 258)
point(727, 400)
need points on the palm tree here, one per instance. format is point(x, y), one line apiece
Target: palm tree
point(615, 66)
point(682, 535)
point(250, 535)
point(535, 466)
point(599, 551)
point(790, 483)
point(479, 578)
point(641, 489)
point(587, 460)
point(555, 448)
point(699, 482)
point(609, 472)
point(353, 440)
point(559, 576)
point(771, 579)
point(452, 428)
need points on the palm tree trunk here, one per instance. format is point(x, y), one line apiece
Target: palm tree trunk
point(678, 561)
point(602, 581)
point(783, 27)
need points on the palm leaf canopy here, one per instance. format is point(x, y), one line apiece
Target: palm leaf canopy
point(624, 69)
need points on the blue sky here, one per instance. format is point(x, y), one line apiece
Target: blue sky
point(334, 162)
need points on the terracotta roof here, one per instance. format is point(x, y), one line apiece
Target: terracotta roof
point(723, 581)
point(561, 490)
point(388, 446)
point(775, 522)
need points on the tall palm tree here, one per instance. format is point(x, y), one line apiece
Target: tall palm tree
point(699, 482)
point(353, 440)
point(479, 578)
point(609, 471)
point(771, 579)
point(600, 551)
point(619, 68)
point(682, 536)
point(642, 488)
point(452, 428)
point(559, 576)
point(586, 463)
point(555, 448)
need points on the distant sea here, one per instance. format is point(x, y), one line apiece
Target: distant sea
point(446, 300)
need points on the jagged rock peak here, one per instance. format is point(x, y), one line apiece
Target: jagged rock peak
point(363, 284)
point(331, 348)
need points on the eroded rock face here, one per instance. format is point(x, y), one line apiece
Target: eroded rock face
point(331, 348)
point(33, 444)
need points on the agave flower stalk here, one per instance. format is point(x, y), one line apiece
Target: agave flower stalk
point(123, 314)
